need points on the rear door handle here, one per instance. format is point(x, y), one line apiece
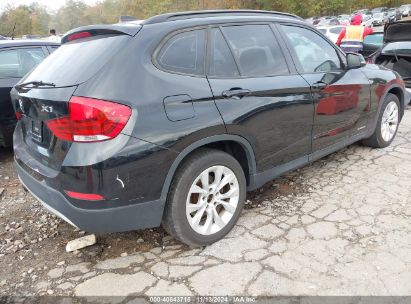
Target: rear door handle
point(319, 85)
point(236, 93)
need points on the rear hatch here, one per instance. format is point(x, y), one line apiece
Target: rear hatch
point(398, 31)
point(396, 52)
point(44, 98)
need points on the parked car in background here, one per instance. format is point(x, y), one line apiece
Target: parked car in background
point(405, 10)
point(379, 10)
point(332, 32)
point(367, 20)
point(372, 43)
point(393, 15)
point(344, 19)
point(396, 51)
point(327, 21)
point(126, 126)
point(364, 11)
point(32, 37)
point(17, 57)
point(312, 20)
point(379, 19)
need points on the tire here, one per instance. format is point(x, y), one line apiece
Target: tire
point(183, 197)
point(379, 139)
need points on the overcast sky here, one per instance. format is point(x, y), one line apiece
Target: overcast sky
point(50, 4)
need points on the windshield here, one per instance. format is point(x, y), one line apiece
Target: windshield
point(378, 15)
point(397, 48)
point(77, 61)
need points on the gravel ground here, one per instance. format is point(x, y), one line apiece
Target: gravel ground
point(340, 226)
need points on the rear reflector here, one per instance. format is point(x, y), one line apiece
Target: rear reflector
point(19, 115)
point(84, 196)
point(90, 120)
point(78, 35)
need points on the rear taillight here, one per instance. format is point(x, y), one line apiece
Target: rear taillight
point(90, 120)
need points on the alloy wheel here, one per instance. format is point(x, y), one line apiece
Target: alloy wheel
point(389, 122)
point(212, 200)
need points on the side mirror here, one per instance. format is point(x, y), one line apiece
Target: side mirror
point(355, 61)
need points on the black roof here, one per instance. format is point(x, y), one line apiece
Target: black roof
point(25, 42)
point(215, 13)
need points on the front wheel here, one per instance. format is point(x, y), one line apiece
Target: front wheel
point(206, 198)
point(387, 125)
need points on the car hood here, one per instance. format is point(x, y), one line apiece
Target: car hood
point(398, 31)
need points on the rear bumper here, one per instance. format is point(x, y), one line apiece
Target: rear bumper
point(106, 220)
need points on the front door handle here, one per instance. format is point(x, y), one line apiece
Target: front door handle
point(236, 93)
point(320, 85)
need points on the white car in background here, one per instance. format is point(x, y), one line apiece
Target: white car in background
point(332, 32)
point(405, 10)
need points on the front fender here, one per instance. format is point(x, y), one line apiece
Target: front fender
point(395, 86)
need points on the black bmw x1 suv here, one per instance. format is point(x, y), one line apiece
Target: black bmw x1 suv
point(171, 120)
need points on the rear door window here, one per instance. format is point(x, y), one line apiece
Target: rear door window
point(256, 50)
point(184, 53)
point(222, 63)
point(15, 63)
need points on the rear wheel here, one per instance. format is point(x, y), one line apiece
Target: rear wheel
point(387, 125)
point(206, 198)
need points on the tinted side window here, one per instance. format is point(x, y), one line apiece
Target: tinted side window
point(18, 62)
point(256, 50)
point(222, 63)
point(313, 52)
point(184, 53)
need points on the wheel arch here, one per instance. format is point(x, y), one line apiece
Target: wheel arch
point(220, 142)
point(398, 91)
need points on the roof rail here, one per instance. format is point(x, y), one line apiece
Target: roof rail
point(213, 13)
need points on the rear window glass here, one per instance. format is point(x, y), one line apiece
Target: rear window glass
point(184, 53)
point(77, 61)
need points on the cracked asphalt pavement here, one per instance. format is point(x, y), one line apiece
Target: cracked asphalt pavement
point(340, 226)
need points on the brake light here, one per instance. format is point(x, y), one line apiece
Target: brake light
point(90, 120)
point(84, 196)
point(78, 35)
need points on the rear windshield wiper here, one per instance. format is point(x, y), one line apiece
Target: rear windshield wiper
point(35, 84)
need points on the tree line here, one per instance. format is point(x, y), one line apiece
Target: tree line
point(35, 19)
